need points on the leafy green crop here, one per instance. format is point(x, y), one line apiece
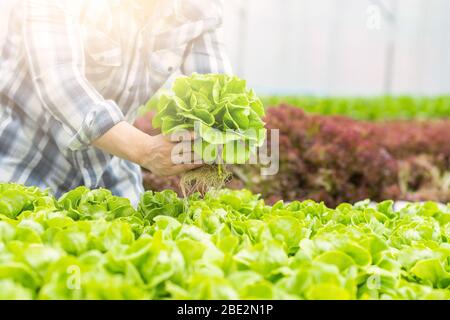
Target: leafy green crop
point(371, 108)
point(227, 114)
point(90, 244)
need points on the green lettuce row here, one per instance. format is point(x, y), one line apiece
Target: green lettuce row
point(370, 108)
point(219, 108)
point(90, 244)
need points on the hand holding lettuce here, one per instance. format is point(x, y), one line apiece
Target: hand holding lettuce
point(226, 118)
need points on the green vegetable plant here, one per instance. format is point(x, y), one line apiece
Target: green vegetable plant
point(370, 108)
point(225, 116)
point(90, 244)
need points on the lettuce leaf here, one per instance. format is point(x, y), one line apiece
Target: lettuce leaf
point(90, 244)
point(223, 112)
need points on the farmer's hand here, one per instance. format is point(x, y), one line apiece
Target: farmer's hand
point(166, 157)
point(154, 153)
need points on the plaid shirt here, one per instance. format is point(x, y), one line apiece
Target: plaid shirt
point(72, 69)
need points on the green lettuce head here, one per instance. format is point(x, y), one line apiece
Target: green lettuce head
point(225, 115)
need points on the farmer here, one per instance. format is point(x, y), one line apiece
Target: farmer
point(73, 74)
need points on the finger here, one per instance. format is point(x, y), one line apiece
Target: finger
point(197, 158)
point(189, 157)
point(182, 152)
point(181, 168)
point(182, 135)
point(155, 131)
point(184, 147)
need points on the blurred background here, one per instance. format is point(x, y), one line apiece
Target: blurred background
point(359, 89)
point(345, 47)
point(331, 47)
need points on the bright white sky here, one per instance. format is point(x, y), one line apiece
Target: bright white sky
point(332, 47)
point(336, 47)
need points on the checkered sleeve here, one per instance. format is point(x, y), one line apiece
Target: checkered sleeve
point(54, 52)
point(207, 54)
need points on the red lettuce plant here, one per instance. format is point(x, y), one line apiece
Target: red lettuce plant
point(337, 159)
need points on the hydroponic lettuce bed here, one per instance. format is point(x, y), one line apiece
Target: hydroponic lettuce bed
point(370, 108)
point(229, 245)
point(338, 159)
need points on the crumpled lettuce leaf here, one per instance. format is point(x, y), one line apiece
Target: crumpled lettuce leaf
point(90, 244)
point(224, 113)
